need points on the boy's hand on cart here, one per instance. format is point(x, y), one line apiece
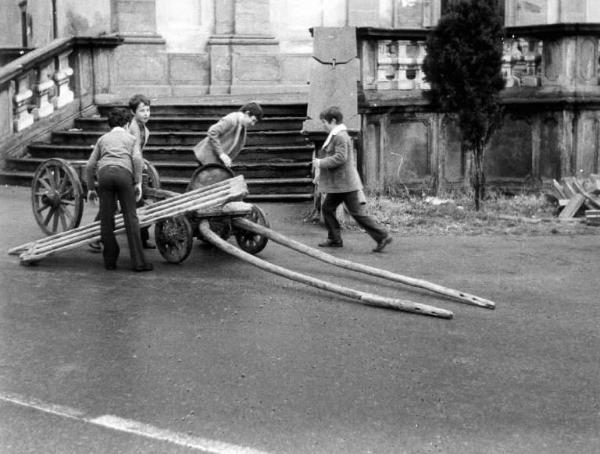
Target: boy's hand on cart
point(92, 197)
point(138, 192)
point(225, 159)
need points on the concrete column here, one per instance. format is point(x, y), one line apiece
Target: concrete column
point(244, 56)
point(133, 17)
point(141, 62)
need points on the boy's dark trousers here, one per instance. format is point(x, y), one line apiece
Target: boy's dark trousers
point(356, 209)
point(116, 183)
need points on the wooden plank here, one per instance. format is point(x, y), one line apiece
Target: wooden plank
point(590, 201)
point(559, 190)
point(572, 207)
point(592, 217)
point(568, 187)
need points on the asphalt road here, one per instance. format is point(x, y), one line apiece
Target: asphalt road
point(216, 356)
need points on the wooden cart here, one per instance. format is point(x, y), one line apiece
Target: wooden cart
point(59, 192)
point(211, 209)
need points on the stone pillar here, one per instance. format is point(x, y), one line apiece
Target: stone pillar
point(141, 62)
point(43, 89)
point(61, 77)
point(244, 56)
point(22, 99)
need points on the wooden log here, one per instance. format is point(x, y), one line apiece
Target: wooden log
point(363, 297)
point(456, 295)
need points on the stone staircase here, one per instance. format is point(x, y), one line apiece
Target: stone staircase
point(276, 161)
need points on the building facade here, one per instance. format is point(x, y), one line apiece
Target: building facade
point(189, 49)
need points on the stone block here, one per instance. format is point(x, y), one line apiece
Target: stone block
point(143, 64)
point(510, 150)
point(295, 68)
point(134, 16)
point(252, 17)
point(406, 152)
point(6, 112)
point(189, 68)
point(256, 68)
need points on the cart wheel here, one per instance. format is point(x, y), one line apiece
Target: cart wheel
point(252, 242)
point(56, 196)
point(173, 238)
point(204, 176)
point(209, 174)
point(153, 177)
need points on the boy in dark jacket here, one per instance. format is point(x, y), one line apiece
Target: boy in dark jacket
point(339, 180)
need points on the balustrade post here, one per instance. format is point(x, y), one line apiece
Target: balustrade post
point(420, 75)
point(532, 58)
point(61, 77)
point(44, 89)
point(406, 62)
point(387, 59)
point(22, 100)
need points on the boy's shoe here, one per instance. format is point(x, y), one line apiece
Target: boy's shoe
point(382, 244)
point(146, 267)
point(331, 243)
point(95, 246)
point(148, 245)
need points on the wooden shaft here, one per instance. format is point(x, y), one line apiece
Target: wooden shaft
point(363, 297)
point(462, 297)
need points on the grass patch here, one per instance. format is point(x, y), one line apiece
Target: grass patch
point(454, 214)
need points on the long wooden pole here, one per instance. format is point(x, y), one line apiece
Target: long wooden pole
point(457, 295)
point(363, 297)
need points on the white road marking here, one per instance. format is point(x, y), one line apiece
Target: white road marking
point(130, 426)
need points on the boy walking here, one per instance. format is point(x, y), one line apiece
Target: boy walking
point(117, 161)
point(226, 138)
point(339, 180)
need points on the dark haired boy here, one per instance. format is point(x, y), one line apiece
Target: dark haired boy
point(139, 105)
point(339, 180)
point(117, 162)
point(226, 138)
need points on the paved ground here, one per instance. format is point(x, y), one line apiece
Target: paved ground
point(214, 355)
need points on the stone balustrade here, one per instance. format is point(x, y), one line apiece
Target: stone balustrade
point(534, 56)
point(50, 85)
point(39, 82)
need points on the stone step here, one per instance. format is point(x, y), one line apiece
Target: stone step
point(265, 189)
point(174, 123)
point(283, 153)
point(74, 137)
point(215, 109)
point(185, 169)
point(256, 186)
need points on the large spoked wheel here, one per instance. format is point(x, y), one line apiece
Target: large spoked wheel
point(205, 176)
point(174, 238)
point(152, 175)
point(56, 196)
point(252, 242)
